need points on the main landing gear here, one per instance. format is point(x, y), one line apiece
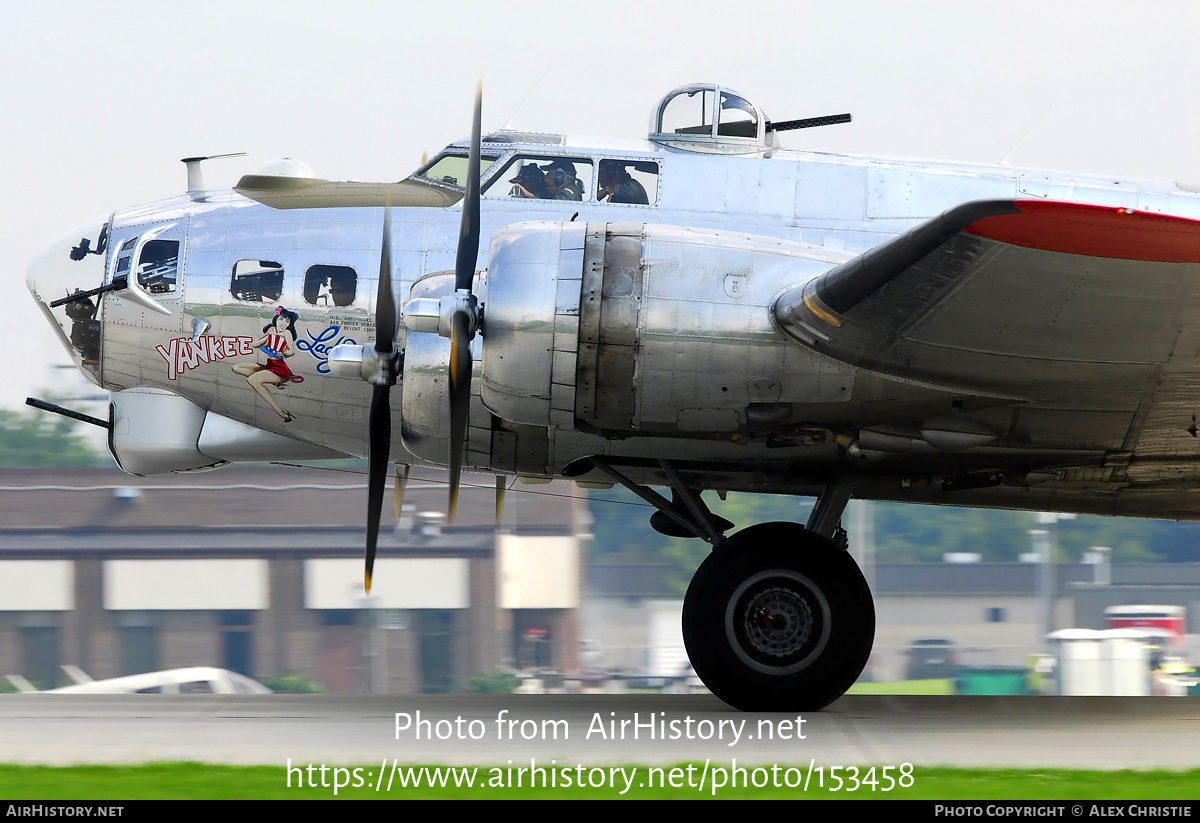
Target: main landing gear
point(778, 617)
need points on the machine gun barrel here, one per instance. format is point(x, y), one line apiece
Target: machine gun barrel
point(811, 122)
point(74, 415)
point(117, 284)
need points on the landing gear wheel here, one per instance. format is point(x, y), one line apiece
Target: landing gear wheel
point(778, 619)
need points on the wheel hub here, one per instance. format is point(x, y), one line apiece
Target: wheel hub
point(778, 622)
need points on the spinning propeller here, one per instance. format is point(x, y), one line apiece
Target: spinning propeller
point(465, 311)
point(456, 317)
point(379, 427)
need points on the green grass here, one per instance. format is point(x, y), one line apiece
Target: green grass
point(197, 781)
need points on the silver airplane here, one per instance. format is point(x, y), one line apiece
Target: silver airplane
point(701, 310)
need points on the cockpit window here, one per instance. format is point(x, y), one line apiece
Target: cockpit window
point(330, 285)
point(451, 169)
point(256, 280)
point(543, 178)
point(632, 182)
point(158, 266)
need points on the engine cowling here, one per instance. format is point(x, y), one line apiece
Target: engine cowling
point(629, 329)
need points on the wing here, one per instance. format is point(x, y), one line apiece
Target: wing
point(1088, 316)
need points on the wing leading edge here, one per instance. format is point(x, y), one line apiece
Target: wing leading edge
point(1089, 315)
point(1031, 299)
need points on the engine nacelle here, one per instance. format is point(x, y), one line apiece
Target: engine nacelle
point(531, 323)
point(641, 329)
point(425, 386)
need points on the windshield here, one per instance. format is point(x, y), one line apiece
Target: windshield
point(451, 169)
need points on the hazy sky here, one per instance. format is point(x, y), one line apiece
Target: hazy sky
point(100, 100)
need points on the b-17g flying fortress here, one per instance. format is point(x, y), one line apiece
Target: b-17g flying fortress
point(698, 309)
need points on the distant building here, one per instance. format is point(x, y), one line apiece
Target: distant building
point(992, 613)
point(259, 570)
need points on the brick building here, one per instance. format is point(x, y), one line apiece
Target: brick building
point(259, 569)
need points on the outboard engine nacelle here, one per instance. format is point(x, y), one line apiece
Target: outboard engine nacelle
point(425, 387)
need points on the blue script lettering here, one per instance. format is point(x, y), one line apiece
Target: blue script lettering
point(320, 345)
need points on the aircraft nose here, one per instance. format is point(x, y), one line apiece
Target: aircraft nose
point(72, 263)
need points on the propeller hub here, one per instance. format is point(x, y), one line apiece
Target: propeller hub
point(436, 315)
point(387, 367)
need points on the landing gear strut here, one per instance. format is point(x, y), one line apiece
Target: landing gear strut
point(693, 519)
point(778, 617)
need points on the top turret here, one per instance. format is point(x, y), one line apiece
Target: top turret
point(707, 118)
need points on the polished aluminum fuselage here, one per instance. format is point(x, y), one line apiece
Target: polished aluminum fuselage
point(706, 347)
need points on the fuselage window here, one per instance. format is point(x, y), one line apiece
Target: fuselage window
point(634, 182)
point(330, 285)
point(452, 169)
point(543, 178)
point(256, 280)
point(158, 266)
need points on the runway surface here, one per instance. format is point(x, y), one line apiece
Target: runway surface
point(1094, 733)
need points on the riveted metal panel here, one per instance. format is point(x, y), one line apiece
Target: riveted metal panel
point(504, 451)
point(588, 323)
point(566, 332)
point(566, 299)
point(564, 367)
point(827, 190)
point(533, 450)
point(562, 419)
point(610, 302)
point(520, 319)
point(1115, 193)
point(562, 397)
point(777, 190)
point(905, 192)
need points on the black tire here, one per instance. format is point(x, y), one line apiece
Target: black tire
point(778, 619)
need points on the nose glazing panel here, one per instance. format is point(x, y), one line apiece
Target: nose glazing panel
point(73, 263)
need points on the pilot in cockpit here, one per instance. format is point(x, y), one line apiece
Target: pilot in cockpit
point(557, 180)
point(618, 186)
point(530, 182)
point(561, 181)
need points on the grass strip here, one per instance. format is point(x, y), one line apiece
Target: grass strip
point(202, 781)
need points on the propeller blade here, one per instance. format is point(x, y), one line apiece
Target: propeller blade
point(401, 485)
point(379, 424)
point(463, 329)
point(385, 302)
point(500, 490)
point(468, 234)
point(460, 401)
point(377, 462)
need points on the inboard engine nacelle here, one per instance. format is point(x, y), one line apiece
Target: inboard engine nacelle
point(639, 329)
